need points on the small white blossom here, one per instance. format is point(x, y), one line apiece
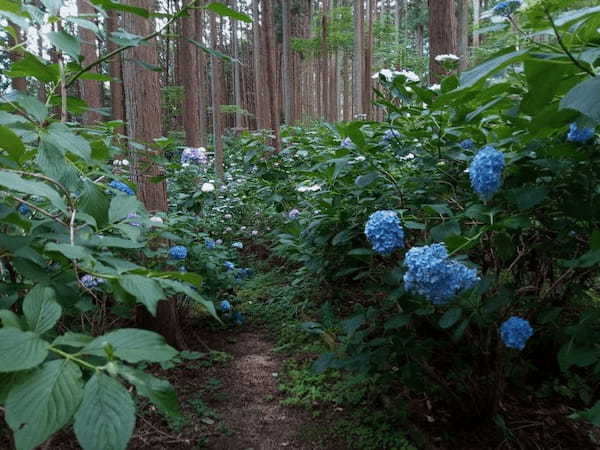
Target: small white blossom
point(219, 241)
point(207, 187)
point(410, 75)
point(254, 232)
point(156, 219)
point(242, 228)
point(360, 158)
point(447, 58)
point(435, 87)
point(388, 74)
point(227, 216)
point(228, 230)
point(407, 157)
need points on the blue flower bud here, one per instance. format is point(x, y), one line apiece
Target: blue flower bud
point(225, 306)
point(178, 252)
point(579, 136)
point(515, 332)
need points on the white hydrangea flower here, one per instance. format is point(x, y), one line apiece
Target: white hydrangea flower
point(410, 75)
point(388, 74)
point(227, 216)
point(254, 232)
point(228, 230)
point(407, 157)
point(435, 87)
point(447, 58)
point(219, 241)
point(242, 228)
point(360, 158)
point(207, 187)
point(156, 219)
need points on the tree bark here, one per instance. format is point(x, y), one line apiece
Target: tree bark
point(202, 93)
point(271, 78)
point(117, 96)
point(358, 58)
point(463, 32)
point(91, 92)
point(144, 124)
point(442, 35)
point(237, 90)
point(476, 12)
point(216, 95)
point(190, 81)
point(288, 97)
point(18, 84)
point(259, 104)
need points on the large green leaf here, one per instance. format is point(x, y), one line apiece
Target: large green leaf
point(471, 77)
point(17, 183)
point(33, 107)
point(31, 66)
point(226, 11)
point(20, 350)
point(43, 402)
point(122, 205)
point(187, 290)
point(41, 309)
point(146, 290)
point(65, 43)
point(60, 136)
point(94, 202)
point(160, 392)
point(10, 142)
point(585, 98)
point(106, 418)
point(450, 317)
point(117, 6)
point(132, 345)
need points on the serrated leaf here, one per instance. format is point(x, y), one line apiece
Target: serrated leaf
point(572, 355)
point(450, 317)
point(61, 137)
point(146, 290)
point(585, 98)
point(122, 205)
point(43, 402)
point(225, 11)
point(17, 183)
point(132, 345)
point(41, 309)
point(106, 417)
point(68, 250)
point(20, 350)
point(159, 392)
point(10, 142)
point(65, 43)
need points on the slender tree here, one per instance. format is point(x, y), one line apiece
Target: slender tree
point(442, 34)
point(358, 58)
point(216, 96)
point(476, 7)
point(259, 103)
point(286, 73)
point(190, 80)
point(18, 84)
point(202, 93)
point(117, 95)
point(91, 91)
point(271, 79)
point(462, 12)
point(142, 98)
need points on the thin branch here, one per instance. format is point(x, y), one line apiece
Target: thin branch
point(38, 209)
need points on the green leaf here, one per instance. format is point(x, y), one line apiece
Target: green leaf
point(17, 183)
point(592, 415)
point(121, 205)
point(95, 202)
point(132, 345)
point(226, 11)
point(68, 250)
point(450, 317)
point(71, 339)
point(445, 230)
point(43, 402)
point(10, 142)
point(10, 319)
point(31, 66)
point(7, 382)
point(33, 107)
point(397, 321)
point(65, 43)
point(187, 290)
point(363, 181)
point(106, 418)
point(471, 77)
point(146, 290)
point(585, 98)
point(41, 309)
point(20, 350)
point(116, 6)
point(60, 136)
point(571, 355)
point(159, 392)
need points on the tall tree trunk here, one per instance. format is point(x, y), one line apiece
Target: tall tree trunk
point(476, 12)
point(91, 92)
point(358, 58)
point(18, 84)
point(420, 39)
point(117, 95)
point(347, 97)
point(189, 78)
point(442, 34)
point(324, 57)
point(237, 89)
point(462, 14)
point(202, 93)
point(288, 97)
point(216, 96)
point(271, 68)
point(144, 124)
point(367, 94)
point(259, 104)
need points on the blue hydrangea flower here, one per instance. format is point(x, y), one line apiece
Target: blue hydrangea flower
point(580, 136)
point(23, 209)
point(90, 281)
point(193, 155)
point(485, 172)
point(210, 243)
point(434, 276)
point(515, 332)
point(229, 265)
point(506, 8)
point(293, 214)
point(178, 252)
point(384, 231)
point(348, 144)
point(237, 245)
point(238, 318)
point(133, 215)
point(391, 135)
point(243, 274)
point(120, 186)
point(467, 144)
point(225, 306)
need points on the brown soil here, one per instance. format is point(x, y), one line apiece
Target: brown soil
point(240, 405)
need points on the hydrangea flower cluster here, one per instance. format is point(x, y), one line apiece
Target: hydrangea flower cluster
point(384, 231)
point(485, 172)
point(156, 220)
point(178, 252)
point(506, 8)
point(90, 281)
point(193, 155)
point(207, 187)
point(348, 144)
point(467, 144)
point(225, 306)
point(23, 209)
point(209, 243)
point(387, 74)
point(515, 332)
point(229, 265)
point(133, 215)
point(120, 186)
point(391, 135)
point(237, 245)
point(446, 58)
point(436, 277)
point(293, 214)
point(579, 135)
